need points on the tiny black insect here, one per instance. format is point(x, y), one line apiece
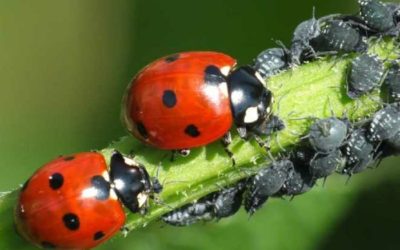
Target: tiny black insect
point(216, 205)
point(300, 181)
point(394, 142)
point(379, 17)
point(274, 124)
point(385, 123)
point(189, 214)
point(267, 182)
point(359, 152)
point(322, 165)
point(270, 62)
point(365, 74)
point(327, 135)
point(338, 36)
point(392, 81)
point(227, 202)
point(302, 35)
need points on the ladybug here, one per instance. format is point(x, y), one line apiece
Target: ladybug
point(74, 202)
point(191, 99)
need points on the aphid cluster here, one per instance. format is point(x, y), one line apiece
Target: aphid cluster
point(333, 144)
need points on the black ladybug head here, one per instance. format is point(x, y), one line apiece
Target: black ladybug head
point(130, 181)
point(250, 100)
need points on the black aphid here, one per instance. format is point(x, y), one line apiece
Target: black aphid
point(270, 62)
point(365, 74)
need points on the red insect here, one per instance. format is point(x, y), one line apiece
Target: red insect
point(190, 99)
point(71, 203)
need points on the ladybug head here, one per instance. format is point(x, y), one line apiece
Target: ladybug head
point(131, 182)
point(250, 100)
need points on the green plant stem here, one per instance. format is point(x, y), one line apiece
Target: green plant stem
point(313, 90)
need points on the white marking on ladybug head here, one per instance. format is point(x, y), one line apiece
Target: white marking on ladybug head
point(251, 115)
point(106, 176)
point(259, 77)
point(142, 198)
point(223, 87)
point(213, 91)
point(237, 96)
point(89, 193)
point(113, 195)
point(119, 184)
point(131, 162)
point(225, 70)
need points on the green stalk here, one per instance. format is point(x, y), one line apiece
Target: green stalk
point(316, 89)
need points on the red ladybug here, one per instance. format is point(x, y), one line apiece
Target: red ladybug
point(191, 99)
point(75, 203)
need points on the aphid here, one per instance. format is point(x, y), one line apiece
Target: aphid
point(190, 213)
point(322, 165)
point(359, 152)
point(338, 36)
point(228, 201)
point(270, 62)
point(392, 81)
point(216, 205)
point(302, 35)
point(365, 74)
point(275, 124)
point(267, 182)
point(327, 135)
point(378, 16)
point(298, 182)
point(385, 123)
point(394, 142)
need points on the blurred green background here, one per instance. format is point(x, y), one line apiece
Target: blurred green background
point(65, 64)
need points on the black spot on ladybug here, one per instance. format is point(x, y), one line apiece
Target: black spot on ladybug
point(213, 75)
point(192, 131)
point(56, 181)
point(98, 235)
point(101, 186)
point(48, 245)
point(25, 185)
point(169, 98)
point(172, 58)
point(142, 129)
point(71, 221)
point(69, 158)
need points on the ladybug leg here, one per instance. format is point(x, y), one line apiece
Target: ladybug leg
point(183, 152)
point(262, 144)
point(173, 155)
point(242, 131)
point(156, 185)
point(124, 231)
point(226, 140)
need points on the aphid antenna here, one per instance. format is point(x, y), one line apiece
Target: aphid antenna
point(331, 108)
point(158, 201)
point(287, 53)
